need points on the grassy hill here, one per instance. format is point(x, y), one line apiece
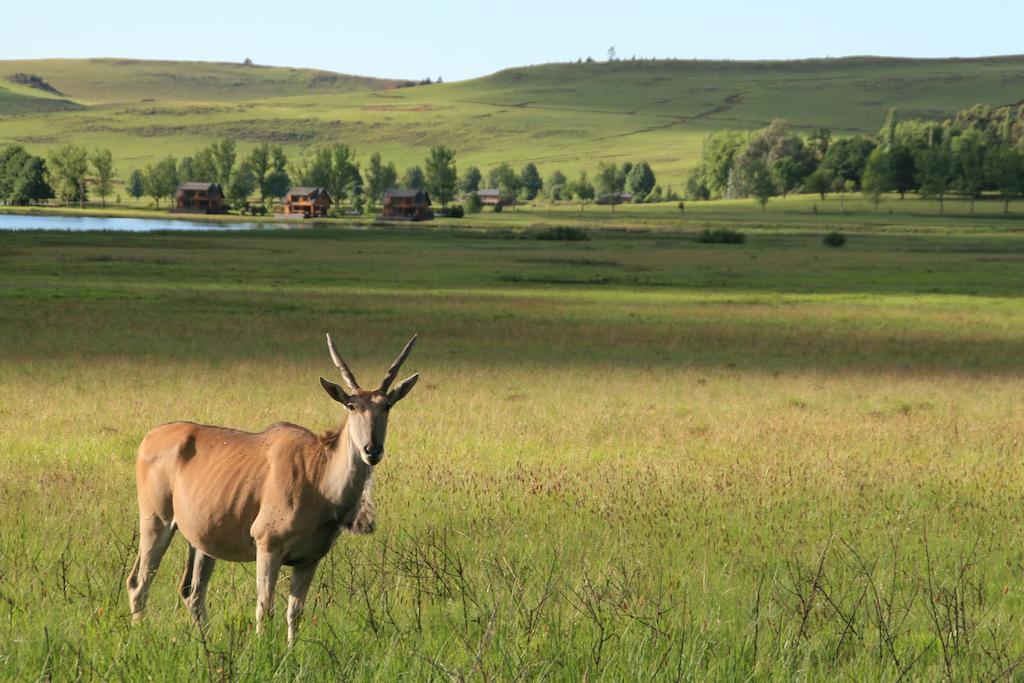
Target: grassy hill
point(560, 115)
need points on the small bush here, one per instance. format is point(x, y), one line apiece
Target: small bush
point(473, 203)
point(561, 234)
point(497, 208)
point(834, 239)
point(456, 211)
point(720, 236)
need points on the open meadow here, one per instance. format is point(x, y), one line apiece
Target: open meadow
point(631, 457)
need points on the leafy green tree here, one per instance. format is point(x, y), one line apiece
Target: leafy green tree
point(333, 168)
point(413, 178)
point(471, 180)
point(610, 179)
point(243, 182)
point(103, 162)
point(278, 159)
point(531, 181)
point(935, 172)
point(917, 135)
point(760, 183)
point(29, 182)
point(582, 189)
point(720, 152)
point(345, 176)
point(161, 180)
point(969, 163)
point(68, 167)
point(441, 174)
point(777, 148)
point(224, 160)
point(316, 171)
point(276, 184)
point(380, 178)
point(902, 171)
point(609, 183)
point(787, 173)
point(492, 176)
point(136, 186)
point(877, 177)
point(202, 168)
point(259, 162)
point(888, 132)
point(473, 203)
point(696, 187)
point(819, 182)
point(555, 186)
point(12, 158)
point(1005, 172)
point(847, 157)
point(186, 169)
point(506, 181)
point(640, 180)
point(818, 143)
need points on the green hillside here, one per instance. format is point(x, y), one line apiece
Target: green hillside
point(106, 81)
point(560, 115)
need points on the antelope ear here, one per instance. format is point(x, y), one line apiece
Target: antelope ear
point(403, 388)
point(334, 391)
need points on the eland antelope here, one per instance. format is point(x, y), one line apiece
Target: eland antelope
point(281, 496)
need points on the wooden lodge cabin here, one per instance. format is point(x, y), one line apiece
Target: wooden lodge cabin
point(308, 202)
point(494, 198)
point(199, 198)
point(408, 205)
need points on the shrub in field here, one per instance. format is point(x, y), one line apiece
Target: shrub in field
point(834, 239)
point(456, 211)
point(560, 234)
point(720, 236)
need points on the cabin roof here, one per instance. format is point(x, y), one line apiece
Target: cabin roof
point(403, 192)
point(304, 191)
point(488, 193)
point(407, 193)
point(199, 186)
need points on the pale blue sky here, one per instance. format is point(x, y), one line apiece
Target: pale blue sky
point(461, 39)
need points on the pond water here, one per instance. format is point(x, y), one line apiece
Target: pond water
point(37, 222)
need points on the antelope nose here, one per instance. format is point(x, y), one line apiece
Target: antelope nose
point(373, 450)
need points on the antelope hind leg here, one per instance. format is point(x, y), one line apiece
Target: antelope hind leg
point(195, 581)
point(154, 537)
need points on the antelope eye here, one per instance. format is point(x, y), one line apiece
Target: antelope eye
point(350, 406)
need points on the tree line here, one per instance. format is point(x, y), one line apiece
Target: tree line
point(980, 149)
point(607, 186)
point(70, 173)
point(63, 175)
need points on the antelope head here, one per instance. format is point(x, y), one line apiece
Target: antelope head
point(368, 409)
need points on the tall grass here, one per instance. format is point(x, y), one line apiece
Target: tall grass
point(737, 470)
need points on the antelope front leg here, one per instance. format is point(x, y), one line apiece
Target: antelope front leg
point(268, 564)
point(302, 577)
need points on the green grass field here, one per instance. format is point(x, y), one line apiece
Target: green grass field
point(565, 116)
point(634, 457)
